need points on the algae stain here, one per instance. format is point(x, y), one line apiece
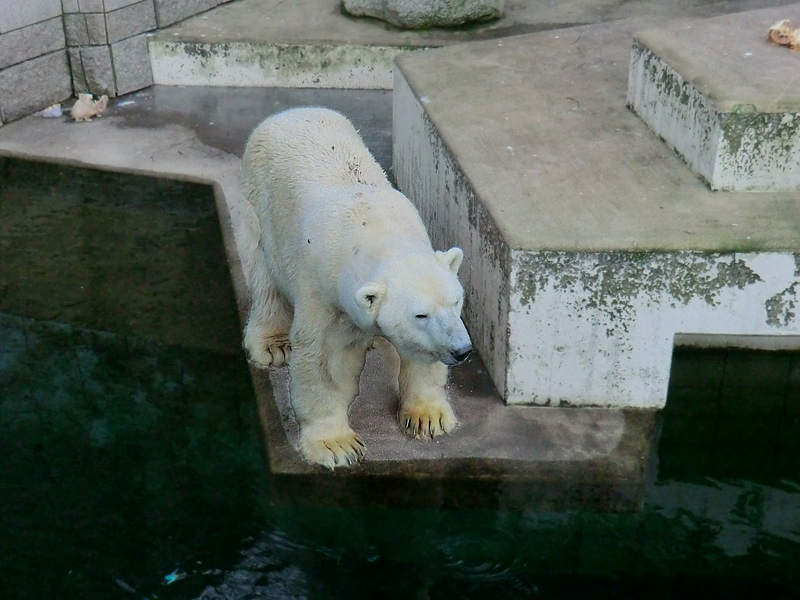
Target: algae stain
point(780, 307)
point(608, 284)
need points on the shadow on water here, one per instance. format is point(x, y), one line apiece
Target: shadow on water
point(131, 451)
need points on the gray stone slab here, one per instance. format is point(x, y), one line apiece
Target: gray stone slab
point(131, 64)
point(130, 20)
point(720, 95)
point(77, 33)
point(70, 6)
point(79, 85)
point(91, 6)
point(33, 85)
point(98, 70)
point(32, 41)
point(96, 29)
point(16, 14)
point(172, 11)
point(110, 5)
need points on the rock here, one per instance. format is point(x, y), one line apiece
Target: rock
point(422, 14)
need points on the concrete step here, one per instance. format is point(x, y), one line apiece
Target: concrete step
point(314, 44)
point(590, 247)
point(722, 97)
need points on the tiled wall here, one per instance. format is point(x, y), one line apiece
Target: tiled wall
point(53, 49)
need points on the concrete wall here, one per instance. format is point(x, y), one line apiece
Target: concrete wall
point(52, 49)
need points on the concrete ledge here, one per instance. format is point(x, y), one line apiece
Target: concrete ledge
point(588, 244)
point(720, 95)
point(244, 64)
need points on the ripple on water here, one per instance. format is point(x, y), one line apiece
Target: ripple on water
point(486, 557)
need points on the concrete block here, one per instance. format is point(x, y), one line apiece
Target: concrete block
point(130, 20)
point(29, 42)
point(91, 6)
point(591, 251)
point(77, 33)
point(424, 14)
point(98, 70)
point(131, 64)
point(70, 6)
point(717, 93)
point(96, 29)
point(115, 4)
point(33, 85)
point(171, 11)
point(16, 14)
point(79, 85)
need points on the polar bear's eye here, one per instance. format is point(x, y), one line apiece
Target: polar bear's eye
point(422, 316)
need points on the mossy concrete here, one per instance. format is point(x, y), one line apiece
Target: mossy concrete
point(721, 96)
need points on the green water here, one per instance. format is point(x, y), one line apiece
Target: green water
point(130, 447)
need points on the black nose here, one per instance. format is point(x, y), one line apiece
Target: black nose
point(461, 354)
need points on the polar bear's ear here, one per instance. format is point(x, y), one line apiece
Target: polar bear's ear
point(370, 297)
point(452, 258)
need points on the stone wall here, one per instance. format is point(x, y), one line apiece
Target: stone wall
point(34, 71)
point(53, 49)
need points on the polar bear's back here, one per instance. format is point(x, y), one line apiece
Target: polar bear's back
point(309, 147)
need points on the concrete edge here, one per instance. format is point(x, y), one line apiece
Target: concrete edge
point(242, 64)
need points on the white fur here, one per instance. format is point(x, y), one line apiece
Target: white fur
point(345, 257)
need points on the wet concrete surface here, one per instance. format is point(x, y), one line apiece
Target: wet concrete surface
point(223, 117)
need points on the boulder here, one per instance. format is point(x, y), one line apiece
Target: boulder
point(422, 14)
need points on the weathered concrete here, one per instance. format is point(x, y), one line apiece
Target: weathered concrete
point(421, 14)
point(588, 244)
point(722, 97)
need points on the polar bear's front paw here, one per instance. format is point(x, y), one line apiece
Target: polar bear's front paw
point(422, 418)
point(341, 450)
point(269, 351)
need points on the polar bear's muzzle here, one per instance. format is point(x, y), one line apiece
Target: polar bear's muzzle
point(456, 357)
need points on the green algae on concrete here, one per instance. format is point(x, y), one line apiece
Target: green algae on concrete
point(273, 65)
point(720, 95)
point(612, 279)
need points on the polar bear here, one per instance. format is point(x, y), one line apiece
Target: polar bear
point(343, 257)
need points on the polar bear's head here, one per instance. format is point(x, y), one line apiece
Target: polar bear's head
point(415, 302)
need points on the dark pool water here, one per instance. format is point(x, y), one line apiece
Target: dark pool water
point(130, 448)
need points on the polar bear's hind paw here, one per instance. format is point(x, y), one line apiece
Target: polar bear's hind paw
point(271, 351)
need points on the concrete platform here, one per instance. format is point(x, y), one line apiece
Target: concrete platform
point(313, 43)
point(590, 248)
point(723, 99)
point(530, 457)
